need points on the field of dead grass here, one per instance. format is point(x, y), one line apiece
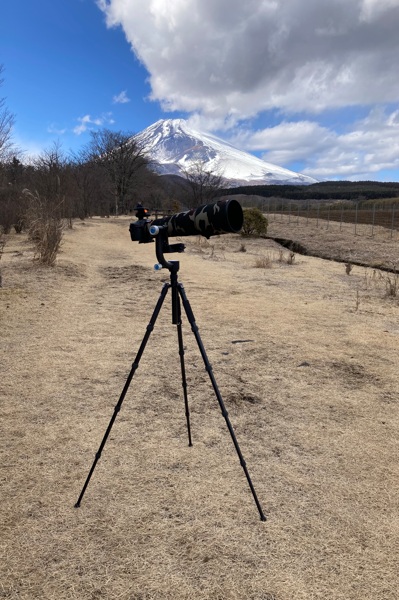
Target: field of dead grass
point(306, 359)
point(373, 246)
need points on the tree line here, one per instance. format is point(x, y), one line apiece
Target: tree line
point(327, 190)
point(107, 176)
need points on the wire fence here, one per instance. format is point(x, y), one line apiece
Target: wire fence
point(340, 215)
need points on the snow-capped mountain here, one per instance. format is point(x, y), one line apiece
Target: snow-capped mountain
point(174, 147)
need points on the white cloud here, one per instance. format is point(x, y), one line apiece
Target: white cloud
point(87, 121)
point(228, 58)
point(54, 129)
point(226, 61)
point(121, 98)
point(369, 146)
point(286, 142)
point(370, 9)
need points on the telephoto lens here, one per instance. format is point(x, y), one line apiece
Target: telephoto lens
point(223, 216)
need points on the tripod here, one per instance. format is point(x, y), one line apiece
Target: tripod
point(178, 293)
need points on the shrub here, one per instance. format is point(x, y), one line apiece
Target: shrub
point(45, 227)
point(391, 284)
point(255, 223)
point(264, 262)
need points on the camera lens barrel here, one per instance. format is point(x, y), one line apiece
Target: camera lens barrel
point(223, 216)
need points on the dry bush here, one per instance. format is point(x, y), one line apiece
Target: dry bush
point(391, 284)
point(288, 258)
point(264, 262)
point(386, 283)
point(202, 244)
point(45, 227)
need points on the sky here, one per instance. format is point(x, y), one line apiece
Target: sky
point(309, 85)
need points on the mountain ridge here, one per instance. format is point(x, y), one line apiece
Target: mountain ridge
point(174, 147)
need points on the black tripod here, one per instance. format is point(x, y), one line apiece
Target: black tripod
point(177, 294)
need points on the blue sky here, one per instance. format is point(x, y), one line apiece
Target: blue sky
point(62, 64)
point(309, 86)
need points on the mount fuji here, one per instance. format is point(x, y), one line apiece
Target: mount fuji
point(173, 147)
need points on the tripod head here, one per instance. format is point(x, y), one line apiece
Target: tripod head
point(162, 246)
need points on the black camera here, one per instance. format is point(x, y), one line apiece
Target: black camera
point(223, 216)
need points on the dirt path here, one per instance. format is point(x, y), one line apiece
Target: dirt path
point(306, 359)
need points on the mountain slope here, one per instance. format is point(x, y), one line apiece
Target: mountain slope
point(174, 147)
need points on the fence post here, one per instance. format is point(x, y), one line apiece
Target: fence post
point(393, 220)
point(373, 221)
point(355, 218)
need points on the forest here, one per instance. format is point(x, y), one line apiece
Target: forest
point(325, 190)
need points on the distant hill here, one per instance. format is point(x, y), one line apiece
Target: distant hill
point(326, 190)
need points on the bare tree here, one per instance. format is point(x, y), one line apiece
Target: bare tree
point(52, 180)
point(89, 184)
point(6, 124)
point(50, 167)
point(123, 160)
point(205, 184)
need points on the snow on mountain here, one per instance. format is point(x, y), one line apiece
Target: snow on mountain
point(174, 147)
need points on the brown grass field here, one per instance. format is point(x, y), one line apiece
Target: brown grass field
point(306, 359)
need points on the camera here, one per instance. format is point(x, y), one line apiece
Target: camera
point(223, 216)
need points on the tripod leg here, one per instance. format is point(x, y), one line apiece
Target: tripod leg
point(183, 369)
point(117, 408)
point(208, 367)
point(176, 320)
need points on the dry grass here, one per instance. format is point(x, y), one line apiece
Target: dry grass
point(311, 385)
point(332, 240)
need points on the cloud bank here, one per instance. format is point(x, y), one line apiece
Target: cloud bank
point(228, 57)
point(367, 147)
point(228, 60)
